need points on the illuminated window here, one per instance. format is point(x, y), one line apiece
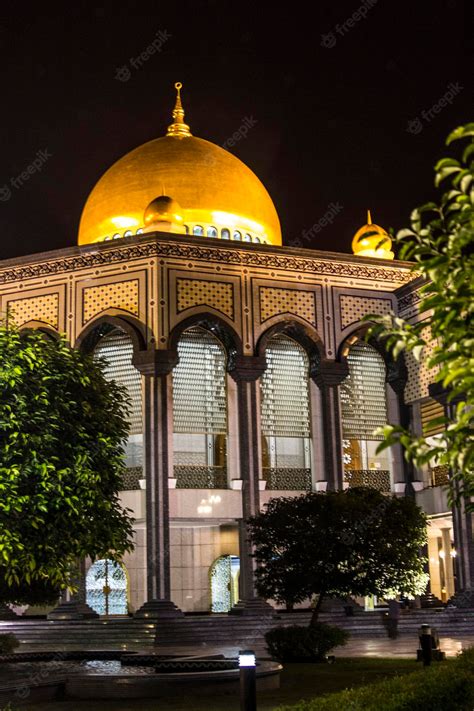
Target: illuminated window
point(128, 233)
point(117, 350)
point(198, 230)
point(200, 411)
point(106, 239)
point(140, 231)
point(237, 235)
point(247, 237)
point(186, 227)
point(363, 410)
point(225, 233)
point(116, 236)
point(211, 232)
point(256, 239)
point(286, 416)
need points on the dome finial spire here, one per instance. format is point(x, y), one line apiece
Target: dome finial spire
point(369, 218)
point(178, 128)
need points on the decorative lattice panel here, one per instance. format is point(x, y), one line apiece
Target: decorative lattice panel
point(131, 478)
point(106, 588)
point(354, 308)
point(36, 308)
point(199, 385)
point(375, 478)
point(119, 295)
point(274, 301)
point(193, 477)
point(117, 350)
point(419, 376)
point(285, 392)
point(282, 479)
point(363, 401)
point(199, 292)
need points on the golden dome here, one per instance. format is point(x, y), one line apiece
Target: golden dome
point(218, 194)
point(163, 213)
point(372, 241)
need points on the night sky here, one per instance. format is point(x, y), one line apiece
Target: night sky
point(331, 122)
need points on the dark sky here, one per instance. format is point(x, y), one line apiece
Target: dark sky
point(331, 122)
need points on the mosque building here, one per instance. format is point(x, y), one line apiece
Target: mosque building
point(246, 366)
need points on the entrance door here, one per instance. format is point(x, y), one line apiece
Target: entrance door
point(224, 583)
point(106, 588)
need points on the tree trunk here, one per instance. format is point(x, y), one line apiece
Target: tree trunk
point(316, 610)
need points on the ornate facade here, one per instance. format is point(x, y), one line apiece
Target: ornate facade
point(248, 376)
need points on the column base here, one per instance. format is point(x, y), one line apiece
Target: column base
point(6, 613)
point(158, 610)
point(252, 606)
point(429, 600)
point(72, 610)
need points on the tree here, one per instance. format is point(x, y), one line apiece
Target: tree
point(441, 243)
point(62, 431)
point(339, 543)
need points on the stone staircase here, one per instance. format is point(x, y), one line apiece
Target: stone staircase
point(215, 630)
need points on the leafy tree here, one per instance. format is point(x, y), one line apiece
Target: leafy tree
point(339, 543)
point(441, 243)
point(62, 429)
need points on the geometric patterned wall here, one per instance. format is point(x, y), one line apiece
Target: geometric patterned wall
point(354, 308)
point(419, 377)
point(199, 292)
point(36, 308)
point(274, 301)
point(118, 295)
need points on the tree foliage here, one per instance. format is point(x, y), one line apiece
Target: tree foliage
point(354, 542)
point(441, 243)
point(62, 430)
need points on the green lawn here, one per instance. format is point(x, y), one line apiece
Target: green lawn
point(298, 681)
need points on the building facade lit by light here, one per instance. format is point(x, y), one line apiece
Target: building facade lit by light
point(246, 365)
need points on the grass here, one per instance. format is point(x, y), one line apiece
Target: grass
point(298, 681)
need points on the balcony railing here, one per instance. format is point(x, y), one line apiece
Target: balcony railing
point(375, 478)
point(200, 477)
point(288, 479)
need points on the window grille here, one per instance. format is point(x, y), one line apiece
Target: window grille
point(363, 400)
point(430, 410)
point(285, 395)
point(199, 385)
point(117, 349)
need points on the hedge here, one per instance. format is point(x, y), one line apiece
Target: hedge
point(445, 686)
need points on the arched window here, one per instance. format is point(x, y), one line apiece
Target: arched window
point(364, 409)
point(200, 412)
point(106, 588)
point(140, 231)
point(286, 416)
point(198, 230)
point(116, 236)
point(106, 239)
point(237, 236)
point(128, 233)
point(116, 349)
point(211, 232)
point(256, 239)
point(225, 233)
point(247, 237)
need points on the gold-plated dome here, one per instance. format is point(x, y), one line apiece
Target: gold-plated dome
point(372, 241)
point(217, 193)
point(163, 213)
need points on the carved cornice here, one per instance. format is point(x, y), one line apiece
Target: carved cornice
point(409, 300)
point(155, 363)
point(174, 249)
point(330, 373)
point(247, 368)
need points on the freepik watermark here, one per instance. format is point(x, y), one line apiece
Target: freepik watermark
point(124, 72)
point(329, 40)
point(333, 209)
point(415, 125)
point(36, 166)
point(248, 122)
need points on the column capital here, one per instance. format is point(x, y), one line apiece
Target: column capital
point(154, 362)
point(247, 368)
point(330, 373)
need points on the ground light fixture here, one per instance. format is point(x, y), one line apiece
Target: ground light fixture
point(248, 680)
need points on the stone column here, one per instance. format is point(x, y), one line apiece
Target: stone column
point(448, 561)
point(400, 413)
point(156, 367)
point(246, 370)
point(328, 375)
point(74, 606)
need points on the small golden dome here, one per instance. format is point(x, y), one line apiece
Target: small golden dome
point(217, 193)
point(166, 212)
point(372, 241)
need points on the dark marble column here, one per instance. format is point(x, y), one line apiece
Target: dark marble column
point(328, 375)
point(246, 370)
point(156, 367)
point(74, 606)
point(463, 525)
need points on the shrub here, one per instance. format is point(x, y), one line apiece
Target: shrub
point(8, 643)
point(294, 643)
point(447, 686)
